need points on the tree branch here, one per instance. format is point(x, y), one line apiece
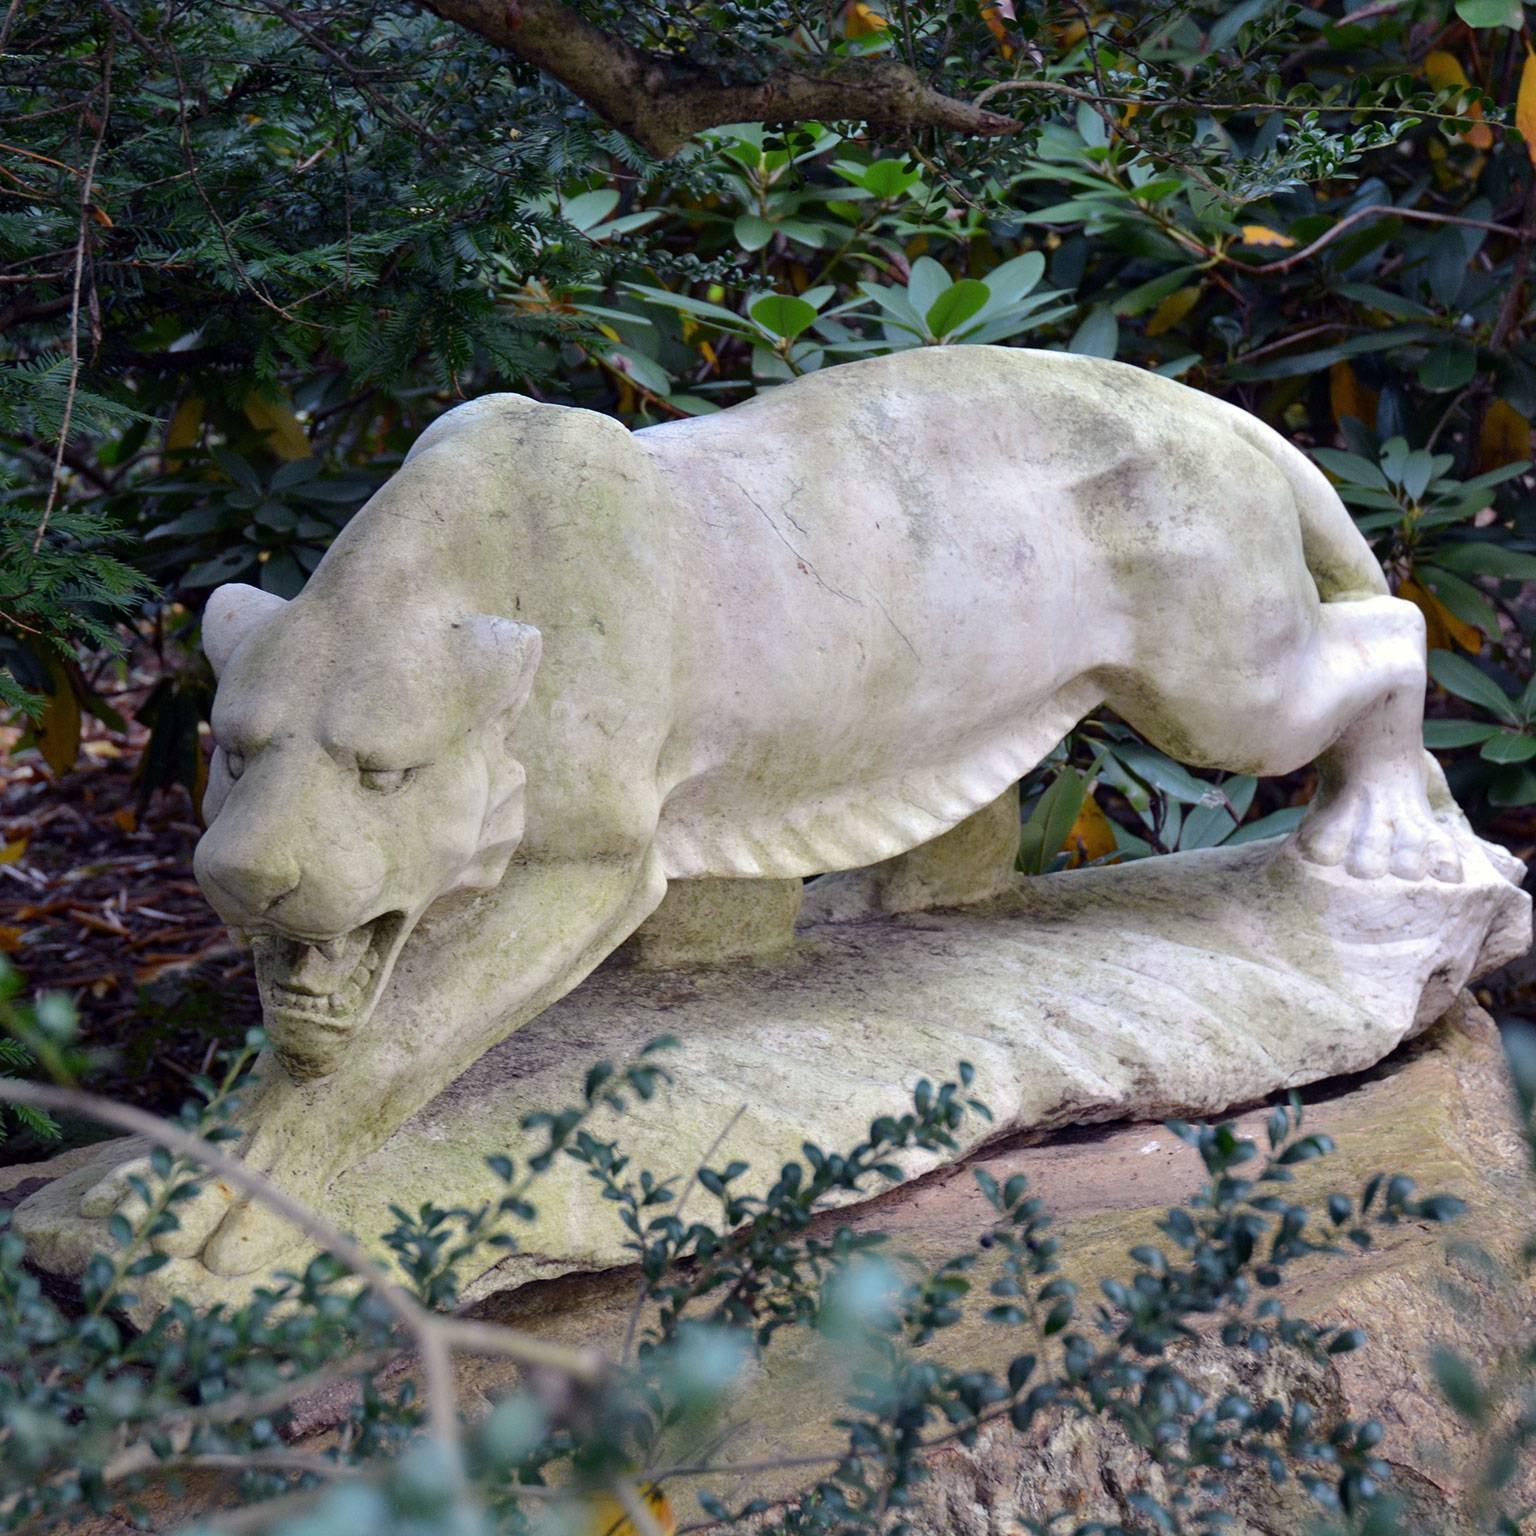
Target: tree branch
point(661, 102)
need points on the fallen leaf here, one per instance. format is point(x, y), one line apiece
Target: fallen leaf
point(860, 21)
point(1442, 626)
point(11, 852)
point(1443, 71)
point(1172, 309)
point(10, 939)
point(183, 429)
point(58, 729)
point(199, 787)
point(1505, 437)
point(101, 747)
point(1092, 835)
point(125, 820)
point(286, 436)
point(994, 16)
point(1347, 396)
point(1262, 234)
point(607, 1517)
point(1525, 104)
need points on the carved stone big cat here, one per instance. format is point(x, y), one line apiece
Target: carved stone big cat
point(554, 665)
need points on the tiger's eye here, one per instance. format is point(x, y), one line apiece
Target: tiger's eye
point(385, 781)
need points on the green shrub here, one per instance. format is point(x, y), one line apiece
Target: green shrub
point(90, 1412)
point(309, 235)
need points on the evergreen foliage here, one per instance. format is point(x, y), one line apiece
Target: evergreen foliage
point(248, 253)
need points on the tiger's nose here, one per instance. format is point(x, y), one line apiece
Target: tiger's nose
point(244, 885)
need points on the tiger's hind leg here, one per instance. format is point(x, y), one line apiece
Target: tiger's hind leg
point(1344, 689)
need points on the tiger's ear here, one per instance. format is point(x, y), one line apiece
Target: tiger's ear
point(501, 658)
point(234, 613)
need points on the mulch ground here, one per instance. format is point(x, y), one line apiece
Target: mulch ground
point(99, 902)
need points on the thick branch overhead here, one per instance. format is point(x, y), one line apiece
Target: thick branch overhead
point(662, 102)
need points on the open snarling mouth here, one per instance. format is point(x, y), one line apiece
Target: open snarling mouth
point(315, 993)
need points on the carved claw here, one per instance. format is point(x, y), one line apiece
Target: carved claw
point(250, 1238)
point(1377, 829)
point(196, 1217)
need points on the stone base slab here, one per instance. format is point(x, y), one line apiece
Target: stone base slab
point(1183, 985)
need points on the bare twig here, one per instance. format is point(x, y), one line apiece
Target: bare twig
point(434, 1336)
point(16, 149)
point(87, 182)
point(380, 101)
point(241, 1461)
point(1178, 103)
point(476, 1338)
point(1374, 210)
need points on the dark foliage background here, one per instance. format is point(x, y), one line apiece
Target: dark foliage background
point(248, 251)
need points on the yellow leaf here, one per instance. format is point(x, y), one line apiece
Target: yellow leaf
point(1443, 70)
point(125, 820)
point(58, 731)
point(1442, 626)
point(285, 433)
point(1349, 397)
point(10, 939)
point(199, 788)
point(1262, 234)
point(184, 428)
point(607, 1517)
point(1505, 437)
point(11, 853)
point(1172, 309)
point(1525, 105)
point(993, 16)
point(1092, 837)
point(860, 21)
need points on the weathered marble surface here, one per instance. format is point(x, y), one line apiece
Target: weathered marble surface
point(1181, 985)
point(553, 666)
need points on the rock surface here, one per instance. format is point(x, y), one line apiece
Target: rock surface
point(1439, 1111)
point(1181, 985)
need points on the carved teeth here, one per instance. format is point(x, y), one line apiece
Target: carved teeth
point(327, 981)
